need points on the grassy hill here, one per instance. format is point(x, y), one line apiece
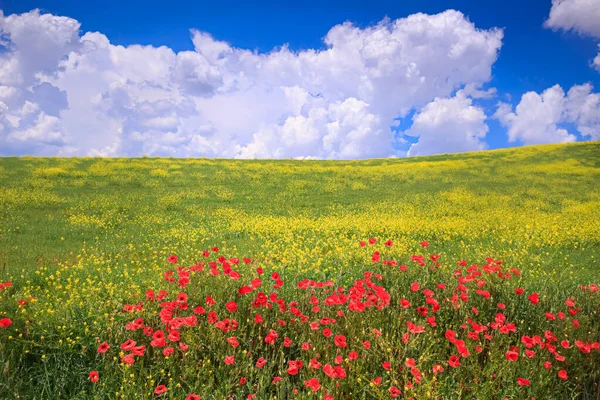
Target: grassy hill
point(537, 206)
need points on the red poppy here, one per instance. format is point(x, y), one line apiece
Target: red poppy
point(261, 362)
point(523, 382)
point(231, 306)
point(128, 359)
point(530, 353)
point(94, 377)
point(454, 361)
point(128, 345)
point(192, 396)
point(103, 348)
point(372, 240)
point(160, 389)
point(424, 243)
point(386, 365)
point(534, 298)
point(340, 341)
point(562, 374)
point(168, 351)
point(229, 360)
point(5, 323)
point(313, 384)
point(174, 336)
point(395, 392)
point(512, 355)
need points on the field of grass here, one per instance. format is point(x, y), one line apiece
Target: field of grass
point(82, 238)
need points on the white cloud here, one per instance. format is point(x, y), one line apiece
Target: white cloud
point(537, 118)
point(581, 16)
point(94, 97)
point(448, 125)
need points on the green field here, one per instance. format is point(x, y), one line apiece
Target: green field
point(538, 207)
point(82, 237)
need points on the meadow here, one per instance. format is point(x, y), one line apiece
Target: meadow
point(454, 276)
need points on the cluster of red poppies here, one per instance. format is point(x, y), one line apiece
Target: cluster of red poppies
point(327, 344)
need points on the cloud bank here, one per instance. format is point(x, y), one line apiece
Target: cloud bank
point(64, 92)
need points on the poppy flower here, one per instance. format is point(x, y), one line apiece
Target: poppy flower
point(261, 362)
point(519, 291)
point(160, 389)
point(424, 243)
point(530, 353)
point(340, 341)
point(372, 241)
point(229, 360)
point(562, 374)
point(128, 359)
point(174, 336)
point(313, 384)
point(172, 259)
point(511, 355)
point(94, 377)
point(534, 298)
point(523, 382)
point(386, 365)
point(192, 396)
point(128, 345)
point(231, 306)
point(454, 361)
point(138, 351)
point(395, 392)
point(103, 348)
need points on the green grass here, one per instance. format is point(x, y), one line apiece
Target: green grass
point(81, 237)
point(50, 207)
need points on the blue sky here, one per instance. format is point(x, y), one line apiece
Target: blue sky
point(532, 57)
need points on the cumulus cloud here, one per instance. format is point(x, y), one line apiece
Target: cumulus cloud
point(580, 16)
point(68, 93)
point(538, 117)
point(448, 124)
